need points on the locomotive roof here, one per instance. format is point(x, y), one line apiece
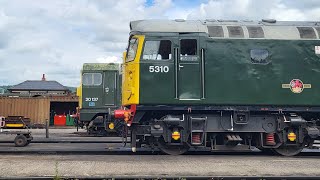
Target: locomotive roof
point(267, 28)
point(100, 66)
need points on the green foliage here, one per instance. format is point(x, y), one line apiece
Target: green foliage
point(56, 172)
point(5, 88)
point(72, 89)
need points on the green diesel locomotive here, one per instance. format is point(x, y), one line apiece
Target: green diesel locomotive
point(99, 94)
point(222, 85)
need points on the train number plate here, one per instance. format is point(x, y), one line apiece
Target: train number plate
point(91, 99)
point(158, 69)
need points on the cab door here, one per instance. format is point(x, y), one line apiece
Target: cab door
point(109, 88)
point(188, 68)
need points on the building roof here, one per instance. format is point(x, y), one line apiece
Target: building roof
point(39, 85)
point(271, 29)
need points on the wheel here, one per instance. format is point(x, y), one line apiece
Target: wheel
point(172, 149)
point(20, 140)
point(288, 150)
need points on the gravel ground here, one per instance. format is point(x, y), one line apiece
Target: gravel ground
point(156, 165)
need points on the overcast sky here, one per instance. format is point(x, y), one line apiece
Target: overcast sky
point(57, 37)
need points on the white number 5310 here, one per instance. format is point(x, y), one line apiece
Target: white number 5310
point(159, 69)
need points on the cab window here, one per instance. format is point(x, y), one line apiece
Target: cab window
point(132, 49)
point(92, 79)
point(157, 50)
point(188, 50)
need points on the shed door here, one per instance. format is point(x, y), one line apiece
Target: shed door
point(188, 67)
point(110, 84)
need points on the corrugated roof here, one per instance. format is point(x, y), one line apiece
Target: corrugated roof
point(39, 85)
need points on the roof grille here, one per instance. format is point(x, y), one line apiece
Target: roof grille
point(215, 31)
point(269, 20)
point(224, 20)
point(255, 32)
point(307, 33)
point(235, 31)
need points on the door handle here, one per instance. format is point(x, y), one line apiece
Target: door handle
point(180, 67)
point(106, 90)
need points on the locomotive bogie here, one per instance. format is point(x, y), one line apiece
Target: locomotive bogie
point(225, 129)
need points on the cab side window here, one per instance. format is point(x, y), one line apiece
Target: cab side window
point(132, 49)
point(188, 50)
point(157, 50)
point(92, 79)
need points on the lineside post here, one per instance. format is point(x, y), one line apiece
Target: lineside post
point(47, 128)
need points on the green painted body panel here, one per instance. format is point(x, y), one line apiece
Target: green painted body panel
point(230, 77)
point(189, 81)
point(154, 86)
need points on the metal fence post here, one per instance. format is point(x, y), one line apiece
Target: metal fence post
point(47, 128)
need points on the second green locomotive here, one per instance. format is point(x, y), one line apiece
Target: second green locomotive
point(99, 95)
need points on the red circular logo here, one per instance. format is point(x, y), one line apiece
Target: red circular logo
point(296, 86)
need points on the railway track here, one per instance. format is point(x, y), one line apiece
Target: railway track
point(92, 148)
point(80, 144)
point(66, 141)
